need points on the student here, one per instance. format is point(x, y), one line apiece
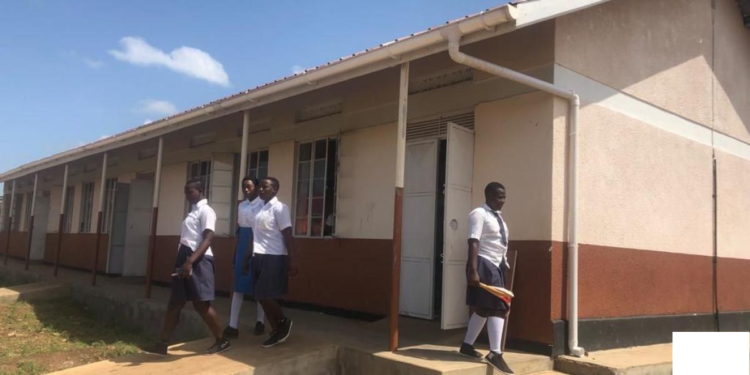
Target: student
point(193, 279)
point(488, 264)
point(273, 259)
point(243, 284)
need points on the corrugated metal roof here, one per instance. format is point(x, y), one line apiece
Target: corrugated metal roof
point(259, 88)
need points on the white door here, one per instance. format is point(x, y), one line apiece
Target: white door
point(39, 237)
point(118, 229)
point(418, 237)
point(458, 182)
point(138, 228)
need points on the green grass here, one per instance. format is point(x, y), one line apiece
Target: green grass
point(48, 336)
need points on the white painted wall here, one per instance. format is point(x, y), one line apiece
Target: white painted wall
point(367, 175)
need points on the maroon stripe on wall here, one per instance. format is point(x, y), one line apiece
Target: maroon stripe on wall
point(617, 282)
point(350, 274)
point(18, 243)
point(733, 284)
point(77, 250)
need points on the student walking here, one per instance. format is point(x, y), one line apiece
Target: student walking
point(193, 279)
point(488, 264)
point(273, 259)
point(243, 283)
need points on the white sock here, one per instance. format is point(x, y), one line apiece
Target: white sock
point(261, 314)
point(495, 331)
point(234, 316)
point(476, 323)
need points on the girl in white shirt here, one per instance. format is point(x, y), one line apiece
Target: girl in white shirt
point(243, 283)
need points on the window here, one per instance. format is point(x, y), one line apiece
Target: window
point(257, 166)
point(109, 204)
point(201, 170)
point(27, 213)
point(87, 207)
point(315, 205)
point(69, 197)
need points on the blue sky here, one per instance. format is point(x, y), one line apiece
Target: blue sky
point(72, 72)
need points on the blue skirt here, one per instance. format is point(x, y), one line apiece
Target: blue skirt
point(243, 283)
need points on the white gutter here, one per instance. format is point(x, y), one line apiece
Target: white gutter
point(453, 35)
point(388, 51)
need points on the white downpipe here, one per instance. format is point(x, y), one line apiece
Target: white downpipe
point(454, 38)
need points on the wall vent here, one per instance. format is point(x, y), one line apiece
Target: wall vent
point(202, 139)
point(437, 127)
point(320, 110)
point(443, 78)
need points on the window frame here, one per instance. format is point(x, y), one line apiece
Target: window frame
point(206, 179)
point(70, 197)
point(257, 167)
point(310, 198)
point(87, 207)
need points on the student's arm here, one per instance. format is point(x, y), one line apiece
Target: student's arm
point(473, 277)
point(208, 235)
point(208, 223)
point(476, 224)
point(284, 220)
point(289, 243)
point(246, 258)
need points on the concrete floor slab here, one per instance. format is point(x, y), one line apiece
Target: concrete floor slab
point(652, 360)
point(320, 343)
point(38, 291)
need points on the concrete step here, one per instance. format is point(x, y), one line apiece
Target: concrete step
point(432, 360)
point(651, 360)
point(39, 291)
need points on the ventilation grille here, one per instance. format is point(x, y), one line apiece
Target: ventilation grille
point(441, 79)
point(437, 127)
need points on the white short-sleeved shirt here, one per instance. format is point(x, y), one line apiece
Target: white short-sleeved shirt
point(246, 212)
point(271, 219)
point(200, 218)
point(484, 226)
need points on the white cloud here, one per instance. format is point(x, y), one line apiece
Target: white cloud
point(148, 121)
point(156, 107)
point(104, 137)
point(93, 64)
point(186, 60)
point(296, 69)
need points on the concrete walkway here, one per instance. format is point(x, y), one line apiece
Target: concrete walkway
point(320, 344)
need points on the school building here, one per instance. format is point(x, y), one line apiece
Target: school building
point(621, 130)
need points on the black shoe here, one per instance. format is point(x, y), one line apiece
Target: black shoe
point(221, 345)
point(272, 340)
point(259, 328)
point(280, 335)
point(496, 360)
point(159, 348)
point(231, 333)
point(469, 351)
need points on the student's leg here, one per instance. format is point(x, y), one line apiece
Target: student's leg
point(209, 316)
point(261, 317)
point(495, 323)
point(234, 315)
point(273, 311)
point(476, 323)
point(170, 321)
